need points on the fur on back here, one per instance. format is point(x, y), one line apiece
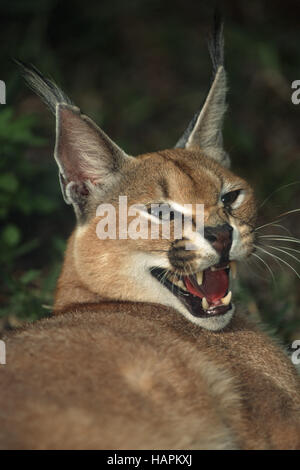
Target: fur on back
point(141, 377)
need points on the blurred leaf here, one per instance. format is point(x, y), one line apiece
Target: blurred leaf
point(17, 130)
point(8, 182)
point(11, 235)
point(268, 56)
point(29, 276)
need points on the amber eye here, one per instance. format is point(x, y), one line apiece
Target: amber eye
point(230, 198)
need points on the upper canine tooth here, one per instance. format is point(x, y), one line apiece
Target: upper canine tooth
point(233, 269)
point(205, 304)
point(226, 300)
point(199, 277)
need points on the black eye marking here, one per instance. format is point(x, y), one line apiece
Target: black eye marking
point(230, 198)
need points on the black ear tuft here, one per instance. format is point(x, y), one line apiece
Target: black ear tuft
point(216, 51)
point(205, 129)
point(46, 89)
point(216, 42)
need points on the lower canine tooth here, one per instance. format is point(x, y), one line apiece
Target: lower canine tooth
point(180, 284)
point(233, 269)
point(199, 277)
point(226, 300)
point(205, 305)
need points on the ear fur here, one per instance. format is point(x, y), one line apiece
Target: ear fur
point(87, 158)
point(85, 155)
point(205, 129)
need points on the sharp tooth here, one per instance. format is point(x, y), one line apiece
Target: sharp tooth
point(233, 269)
point(180, 284)
point(205, 305)
point(226, 300)
point(199, 276)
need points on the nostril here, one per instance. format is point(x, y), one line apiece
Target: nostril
point(211, 238)
point(209, 235)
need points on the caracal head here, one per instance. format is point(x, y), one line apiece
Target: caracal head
point(165, 227)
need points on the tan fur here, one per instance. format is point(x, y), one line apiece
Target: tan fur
point(136, 376)
point(121, 367)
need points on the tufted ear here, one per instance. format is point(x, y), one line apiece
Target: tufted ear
point(205, 130)
point(85, 155)
point(87, 158)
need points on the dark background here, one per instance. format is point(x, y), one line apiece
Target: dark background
point(141, 69)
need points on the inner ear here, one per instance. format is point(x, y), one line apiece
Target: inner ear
point(86, 156)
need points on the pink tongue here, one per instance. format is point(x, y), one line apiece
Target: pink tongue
point(214, 286)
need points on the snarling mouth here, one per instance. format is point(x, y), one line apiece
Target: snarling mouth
point(205, 293)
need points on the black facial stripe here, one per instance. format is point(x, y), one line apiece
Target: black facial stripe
point(181, 166)
point(178, 248)
point(164, 188)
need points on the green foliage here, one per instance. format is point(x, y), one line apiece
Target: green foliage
point(25, 209)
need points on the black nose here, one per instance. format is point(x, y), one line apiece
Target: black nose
point(220, 237)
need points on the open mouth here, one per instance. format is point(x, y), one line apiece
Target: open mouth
point(205, 293)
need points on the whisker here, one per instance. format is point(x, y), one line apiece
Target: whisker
point(278, 219)
point(289, 212)
point(165, 275)
point(176, 275)
point(280, 226)
point(281, 239)
point(154, 267)
point(256, 264)
point(188, 269)
point(283, 251)
point(280, 259)
point(276, 261)
point(179, 275)
point(180, 278)
point(160, 276)
point(266, 225)
point(288, 248)
point(278, 189)
point(289, 237)
point(266, 264)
